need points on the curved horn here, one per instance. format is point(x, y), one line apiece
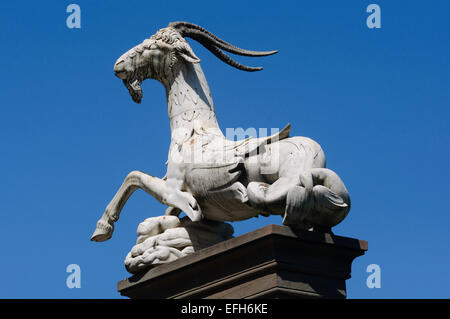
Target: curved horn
point(228, 60)
point(189, 29)
point(214, 44)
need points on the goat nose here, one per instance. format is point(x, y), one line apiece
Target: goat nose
point(118, 67)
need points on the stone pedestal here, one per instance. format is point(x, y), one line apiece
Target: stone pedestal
point(270, 262)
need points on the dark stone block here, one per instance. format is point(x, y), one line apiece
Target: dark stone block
point(270, 262)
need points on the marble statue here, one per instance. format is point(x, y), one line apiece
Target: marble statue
point(163, 239)
point(210, 178)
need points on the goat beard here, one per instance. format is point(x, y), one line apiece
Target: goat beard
point(134, 88)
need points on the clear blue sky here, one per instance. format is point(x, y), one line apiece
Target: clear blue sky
point(376, 100)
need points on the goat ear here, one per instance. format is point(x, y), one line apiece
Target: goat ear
point(186, 53)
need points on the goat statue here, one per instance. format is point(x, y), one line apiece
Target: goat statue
point(210, 177)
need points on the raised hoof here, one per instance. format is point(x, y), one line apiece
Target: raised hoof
point(103, 231)
point(193, 211)
point(195, 216)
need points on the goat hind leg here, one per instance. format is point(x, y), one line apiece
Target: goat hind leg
point(290, 196)
point(270, 198)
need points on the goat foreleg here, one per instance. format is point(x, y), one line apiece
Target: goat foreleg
point(165, 191)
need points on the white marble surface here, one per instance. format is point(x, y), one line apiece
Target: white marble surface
point(209, 176)
point(164, 239)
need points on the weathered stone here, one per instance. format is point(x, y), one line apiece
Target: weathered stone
point(164, 239)
point(209, 176)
